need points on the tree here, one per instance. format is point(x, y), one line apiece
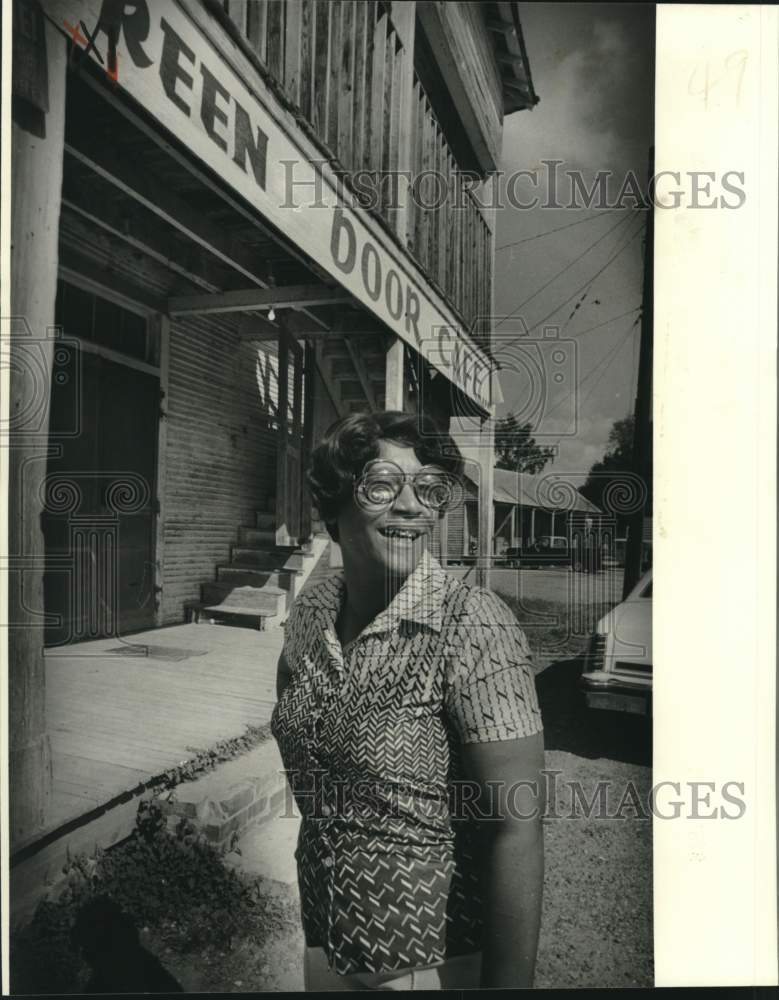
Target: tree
point(617, 460)
point(516, 449)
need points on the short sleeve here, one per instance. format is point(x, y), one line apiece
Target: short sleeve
point(490, 690)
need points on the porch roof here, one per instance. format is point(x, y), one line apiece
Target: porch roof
point(522, 488)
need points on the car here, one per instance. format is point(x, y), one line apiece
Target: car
point(546, 550)
point(617, 672)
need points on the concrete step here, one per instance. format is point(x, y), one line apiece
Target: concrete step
point(249, 576)
point(282, 578)
point(269, 560)
point(255, 555)
point(215, 592)
point(257, 536)
point(240, 605)
point(220, 614)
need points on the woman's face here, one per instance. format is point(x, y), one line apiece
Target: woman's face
point(387, 539)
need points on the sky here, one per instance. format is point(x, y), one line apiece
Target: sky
point(592, 68)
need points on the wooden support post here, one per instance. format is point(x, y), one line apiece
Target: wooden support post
point(395, 380)
point(486, 501)
point(309, 374)
point(515, 526)
point(37, 142)
point(533, 526)
point(282, 528)
point(551, 529)
point(289, 457)
point(161, 325)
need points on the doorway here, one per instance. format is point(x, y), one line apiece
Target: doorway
point(100, 504)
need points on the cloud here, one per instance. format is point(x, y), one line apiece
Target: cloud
point(590, 114)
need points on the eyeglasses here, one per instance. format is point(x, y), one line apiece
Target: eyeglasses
point(382, 481)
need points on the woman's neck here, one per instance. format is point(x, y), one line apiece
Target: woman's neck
point(366, 596)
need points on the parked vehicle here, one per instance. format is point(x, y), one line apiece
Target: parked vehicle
point(617, 671)
point(546, 551)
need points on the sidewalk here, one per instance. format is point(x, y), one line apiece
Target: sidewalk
point(122, 712)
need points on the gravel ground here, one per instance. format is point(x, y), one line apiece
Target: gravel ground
point(597, 921)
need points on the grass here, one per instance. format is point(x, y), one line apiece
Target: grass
point(556, 630)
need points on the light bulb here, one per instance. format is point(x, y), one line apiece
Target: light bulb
point(271, 314)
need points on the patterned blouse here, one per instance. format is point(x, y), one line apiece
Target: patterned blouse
point(370, 737)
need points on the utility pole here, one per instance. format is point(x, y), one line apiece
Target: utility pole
point(642, 421)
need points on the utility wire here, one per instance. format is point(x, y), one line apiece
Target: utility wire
point(567, 267)
point(586, 285)
point(559, 229)
point(598, 326)
point(606, 361)
point(619, 347)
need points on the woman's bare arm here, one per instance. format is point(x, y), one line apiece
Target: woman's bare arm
point(509, 774)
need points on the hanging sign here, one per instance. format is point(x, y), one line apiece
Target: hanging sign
point(159, 55)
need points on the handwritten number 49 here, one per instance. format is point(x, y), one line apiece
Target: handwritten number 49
point(703, 79)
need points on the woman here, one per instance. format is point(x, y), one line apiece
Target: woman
point(409, 727)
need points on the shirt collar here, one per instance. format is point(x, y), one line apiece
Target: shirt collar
point(419, 600)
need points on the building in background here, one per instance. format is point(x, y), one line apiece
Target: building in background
point(527, 508)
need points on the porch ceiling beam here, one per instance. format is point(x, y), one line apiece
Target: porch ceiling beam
point(252, 326)
point(140, 232)
point(150, 131)
point(146, 190)
point(279, 297)
point(84, 270)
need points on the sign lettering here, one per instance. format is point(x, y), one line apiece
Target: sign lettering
point(171, 65)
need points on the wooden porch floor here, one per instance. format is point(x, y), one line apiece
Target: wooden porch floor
point(121, 711)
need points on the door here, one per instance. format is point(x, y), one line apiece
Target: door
point(99, 525)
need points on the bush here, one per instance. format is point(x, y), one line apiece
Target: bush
point(173, 882)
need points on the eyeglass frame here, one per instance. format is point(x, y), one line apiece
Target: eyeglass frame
point(404, 478)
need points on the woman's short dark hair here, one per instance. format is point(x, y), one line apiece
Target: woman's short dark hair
point(354, 440)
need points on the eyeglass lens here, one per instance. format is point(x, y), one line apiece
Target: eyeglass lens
point(382, 483)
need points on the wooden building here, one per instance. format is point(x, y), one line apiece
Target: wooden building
point(526, 508)
point(232, 223)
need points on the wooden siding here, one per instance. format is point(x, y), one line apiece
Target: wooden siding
point(221, 455)
point(449, 234)
point(341, 65)
point(474, 52)
point(463, 52)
